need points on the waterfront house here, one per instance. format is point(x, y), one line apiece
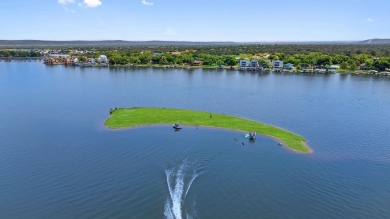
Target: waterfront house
point(277, 64)
point(244, 63)
point(57, 59)
point(68, 61)
point(254, 63)
point(288, 66)
point(332, 68)
point(197, 63)
point(59, 56)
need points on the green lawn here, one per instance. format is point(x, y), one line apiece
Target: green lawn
point(133, 117)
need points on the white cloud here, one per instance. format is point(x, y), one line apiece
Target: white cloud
point(64, 2)
point(144, 2)
point(91, 3)
point(370, 20)
point(170, 32)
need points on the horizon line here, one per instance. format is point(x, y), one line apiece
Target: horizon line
point(200, 41)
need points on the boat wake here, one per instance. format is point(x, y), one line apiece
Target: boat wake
point(179, 181)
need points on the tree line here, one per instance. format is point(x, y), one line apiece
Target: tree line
point(346, 56)
point(350, 62)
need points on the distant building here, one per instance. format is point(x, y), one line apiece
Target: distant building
point(254, 63)
point(58, 59)
point(197, 63)
point(277, 64)
point(333, 67)
point(59, 56)
point(103, 59)
point(244, 63)
point(288, 66)
point(91, 60)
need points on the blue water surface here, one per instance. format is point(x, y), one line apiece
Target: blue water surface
point(58, 160)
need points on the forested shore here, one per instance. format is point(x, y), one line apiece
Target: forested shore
point(349, 58)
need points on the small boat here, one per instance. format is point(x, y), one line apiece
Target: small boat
point(251, 135)
point(176, 126)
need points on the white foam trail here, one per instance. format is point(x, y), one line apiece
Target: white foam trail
point(168, 210)
point(178, 191)
point(194, 175)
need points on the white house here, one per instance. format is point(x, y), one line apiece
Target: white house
point(332, 68)
point(277, 64)
point(254, 63)
point(244, 63)
point(59, 56)
point(103, 59)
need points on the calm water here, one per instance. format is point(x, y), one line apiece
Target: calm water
point(57, 159)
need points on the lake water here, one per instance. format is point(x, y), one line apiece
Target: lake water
point(57, 160)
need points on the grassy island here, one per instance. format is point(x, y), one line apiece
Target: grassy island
point(134, 117)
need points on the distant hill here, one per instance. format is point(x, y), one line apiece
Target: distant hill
point(375, 41)
point(104, 43)
point(121, 43)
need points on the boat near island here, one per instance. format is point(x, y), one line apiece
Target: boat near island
point(251, 135)
point(176, 126)
point(141, 116)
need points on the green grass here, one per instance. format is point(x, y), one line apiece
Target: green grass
point(133, 117)
point(346, 71)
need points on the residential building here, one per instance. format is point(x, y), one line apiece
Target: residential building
point(197, 63)
point(254, 63)
point(277, 64)
point(288, 66)
point(59, 56)
point(244, 63)
point(333, 67)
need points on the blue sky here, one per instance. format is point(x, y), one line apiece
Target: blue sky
point(195, 20)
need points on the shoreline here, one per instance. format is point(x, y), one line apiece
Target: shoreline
point(310, 150)
point(211, 67)
point(124, 118)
